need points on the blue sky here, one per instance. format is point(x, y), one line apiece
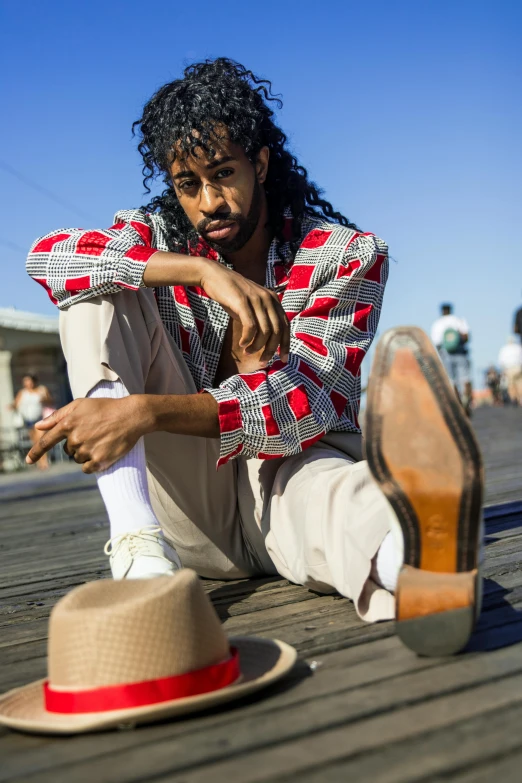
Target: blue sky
point(407, 114)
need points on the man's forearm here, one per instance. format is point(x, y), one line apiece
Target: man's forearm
point(173, 269)
point(181, 414)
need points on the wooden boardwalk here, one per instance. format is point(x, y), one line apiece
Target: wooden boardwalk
point(358, 706)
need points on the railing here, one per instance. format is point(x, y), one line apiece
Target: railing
point(14, 445)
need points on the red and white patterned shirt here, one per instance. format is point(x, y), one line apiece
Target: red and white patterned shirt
point(331, 291)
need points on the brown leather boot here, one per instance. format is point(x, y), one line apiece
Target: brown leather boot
point(423, 454)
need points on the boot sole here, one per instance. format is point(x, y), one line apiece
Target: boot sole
point(423, 454)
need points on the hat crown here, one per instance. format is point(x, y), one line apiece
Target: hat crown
point(115, 632)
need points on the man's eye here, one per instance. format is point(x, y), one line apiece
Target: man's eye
point(224, 173)
point(188, 184)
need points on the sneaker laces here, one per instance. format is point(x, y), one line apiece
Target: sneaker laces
point(137, 542)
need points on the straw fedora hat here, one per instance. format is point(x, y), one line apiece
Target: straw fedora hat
point(136, 651)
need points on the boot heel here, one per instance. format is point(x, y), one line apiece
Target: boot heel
point(436, 611)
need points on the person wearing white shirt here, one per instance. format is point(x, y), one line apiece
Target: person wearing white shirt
point(510, 362)
point(450, 334)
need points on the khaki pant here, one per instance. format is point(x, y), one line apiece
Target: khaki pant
point(513, 377)
point(316, 518)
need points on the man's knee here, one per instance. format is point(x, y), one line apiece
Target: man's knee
point(105, 338)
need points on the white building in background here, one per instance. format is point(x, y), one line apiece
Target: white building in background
point(29, 343)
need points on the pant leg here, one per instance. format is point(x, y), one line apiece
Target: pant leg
point(453, 372)
point(462, 372)
point(518, 386)
point(122, 336)
point(324, 520)
point(450, 365)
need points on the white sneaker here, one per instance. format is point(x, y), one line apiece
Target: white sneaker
point(142, 554)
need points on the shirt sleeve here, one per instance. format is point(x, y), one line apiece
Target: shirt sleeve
point(283, 409)
point(74, 265)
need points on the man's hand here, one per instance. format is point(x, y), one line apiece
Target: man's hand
point(97, 432)
point(264, 323)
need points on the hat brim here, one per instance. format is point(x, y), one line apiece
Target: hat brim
point(262, 662)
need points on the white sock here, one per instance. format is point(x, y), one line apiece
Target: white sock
point(387, 564)
point(123, 486)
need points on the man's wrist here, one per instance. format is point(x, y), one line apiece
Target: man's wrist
point(147, 412)
point(164, 268)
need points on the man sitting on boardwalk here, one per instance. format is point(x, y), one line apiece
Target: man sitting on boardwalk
point(225, 327)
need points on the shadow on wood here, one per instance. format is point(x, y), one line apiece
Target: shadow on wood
point(499, 626)
point(227, 595)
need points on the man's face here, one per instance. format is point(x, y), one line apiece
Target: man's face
point(222, 196)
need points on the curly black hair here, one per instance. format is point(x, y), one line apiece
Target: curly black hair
point(186, 112)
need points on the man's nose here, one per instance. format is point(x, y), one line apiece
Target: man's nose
point(211, 200)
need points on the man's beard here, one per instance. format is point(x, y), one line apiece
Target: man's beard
point(246, 225)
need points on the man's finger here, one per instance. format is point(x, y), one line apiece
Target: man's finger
point(284, 343)
point(249, 324)
point(264, 330)
point(270, 349)
point(281, 332)
point(91, 466)
point(81, 456)
point(56, 416)
point(68, 450)
point(44, 444)
point(275, 338)
point(284, 347)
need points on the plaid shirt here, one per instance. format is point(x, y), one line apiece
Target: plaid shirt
point(331, 291)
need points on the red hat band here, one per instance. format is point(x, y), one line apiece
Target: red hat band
point(141, 694)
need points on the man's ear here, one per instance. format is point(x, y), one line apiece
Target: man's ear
point(263, 157)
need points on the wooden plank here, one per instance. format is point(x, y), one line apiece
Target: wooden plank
point(237, 598)
point(363, 736)
point(350, 686)
point(439, 755)
point(505, 769)
point(345, 724)
point(371, 707)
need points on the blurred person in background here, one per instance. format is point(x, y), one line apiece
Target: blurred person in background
point(517, 327)
point(493, 384)
point(450, 334)
point(510, 362)
point(33, 403)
